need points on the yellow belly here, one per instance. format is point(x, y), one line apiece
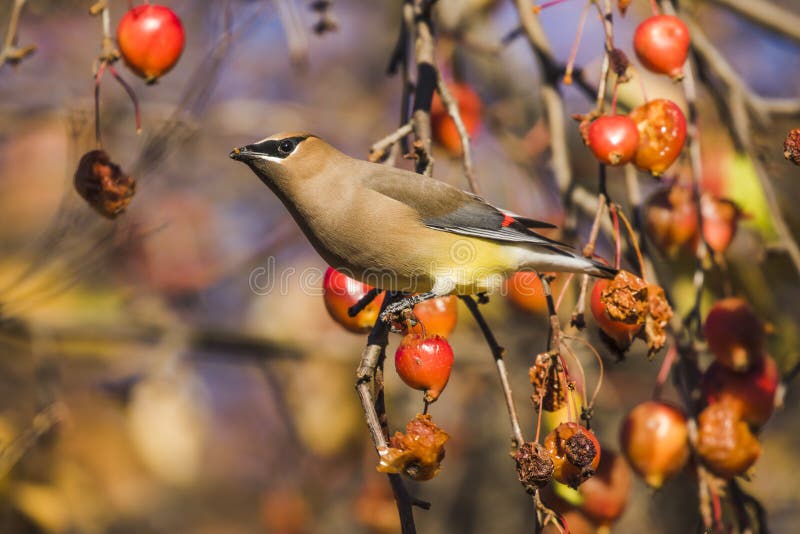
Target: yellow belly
point(449, 263)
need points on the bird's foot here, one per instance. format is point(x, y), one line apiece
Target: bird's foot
point(402, 310)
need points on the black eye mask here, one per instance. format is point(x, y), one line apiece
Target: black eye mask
point(277, 148)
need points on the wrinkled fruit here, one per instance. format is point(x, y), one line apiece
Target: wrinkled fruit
point(103, 184)
point(418, 453)
point(575, 452)
point(725, 443)
point(534, 466)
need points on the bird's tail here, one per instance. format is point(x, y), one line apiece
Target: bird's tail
point(601, 270)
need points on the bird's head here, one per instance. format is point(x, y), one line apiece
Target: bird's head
point(284, 158)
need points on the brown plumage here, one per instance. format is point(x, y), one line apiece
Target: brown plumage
point(398, 230)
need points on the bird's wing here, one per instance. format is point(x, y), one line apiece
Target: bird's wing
point(443, 207)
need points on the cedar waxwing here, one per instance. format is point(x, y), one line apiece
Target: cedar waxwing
point(398, 230)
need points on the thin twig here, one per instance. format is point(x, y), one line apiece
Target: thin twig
point(369, 385)
point(497, 353)
point(767, 14)
point(451, 105)
point(379, 150)
point(424, 47)
point(11, 53)
point(41, 424)
point(741, 102)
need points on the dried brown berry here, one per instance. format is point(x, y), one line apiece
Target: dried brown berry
point(418, 453)
point(575, 453)
point(103, 184)
point(619, 64)
point(724, 442)
point(659, 314)
point(549, 383)
point(534, 466)
point(625, 298)
point(791, 146)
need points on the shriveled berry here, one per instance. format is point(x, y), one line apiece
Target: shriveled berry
point(534, 466)
point(575, 452)
point(103, 184)
point(725, 444)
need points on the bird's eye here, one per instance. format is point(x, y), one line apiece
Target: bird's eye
point(286, 147)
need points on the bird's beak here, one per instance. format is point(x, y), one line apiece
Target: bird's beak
point(241, 154)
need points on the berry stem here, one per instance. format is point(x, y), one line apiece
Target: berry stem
point(540, 7)
point(654, 6)
point(575, 44)
point(614, 96)
point(131, 94)
point(663, 372)
point(634, 243)
point(617, 237)
point(564, 289)
point(101, 68)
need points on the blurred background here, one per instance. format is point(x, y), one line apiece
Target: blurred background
point(175, 370)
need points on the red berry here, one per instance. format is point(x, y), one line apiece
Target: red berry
point(525, 290)
point(662, 45)
point(606, 493)
point(671, 218)
point(750, 394)
point(613, 139)
point(720, 221)
point(150, 39)
point(340, 293)
point(734, 333)
point(424, 363)
point(575, 452)
point(436, 316)
point(444, 129)
point(622, 333)
point(654, 438)
point(662, 132)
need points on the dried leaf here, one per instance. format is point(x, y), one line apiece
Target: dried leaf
point(418, 453)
